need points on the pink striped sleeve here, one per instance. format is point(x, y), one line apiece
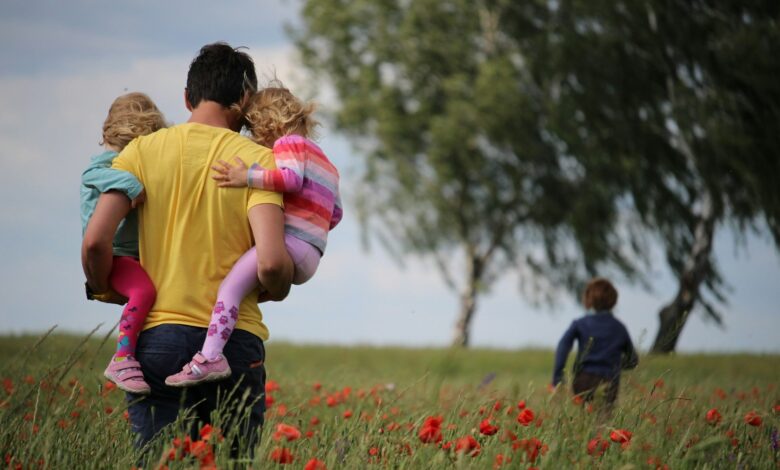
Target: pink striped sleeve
point(290, 156)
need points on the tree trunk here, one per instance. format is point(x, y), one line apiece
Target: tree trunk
point(674, 315)
point(468, 304)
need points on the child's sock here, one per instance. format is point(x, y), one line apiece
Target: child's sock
point(241, 279)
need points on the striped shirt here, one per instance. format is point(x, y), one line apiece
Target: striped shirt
point(310, 183)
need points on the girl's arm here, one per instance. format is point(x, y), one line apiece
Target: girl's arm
point(104, 178)
point(290, 156)
point(338, 213)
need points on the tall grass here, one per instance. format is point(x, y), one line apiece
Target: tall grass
point(364, 407)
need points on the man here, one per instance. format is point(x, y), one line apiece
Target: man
point(190, 233)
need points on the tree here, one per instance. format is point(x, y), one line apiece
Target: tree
point(548, 137)
point(460, 166)
point(684, 97)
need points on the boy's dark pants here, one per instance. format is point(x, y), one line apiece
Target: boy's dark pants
point(163, 350)
point(585, 385)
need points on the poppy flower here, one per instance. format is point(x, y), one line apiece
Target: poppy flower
point(271, 386)
point(752, 418)
point(521, 405)
point(468, 445)
point(486, 428)
point(347, 414)
point(532, 447)
point(501, 459)
point(430, 431)
point(525, 417)
point(282, 455)
point(621, 436)
point(597, 446)
point(207, 431)
point(315, 464)
point(713, 416)
point(286, 431)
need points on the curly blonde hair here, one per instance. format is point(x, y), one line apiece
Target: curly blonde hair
point(274, 112)
point(130, 116)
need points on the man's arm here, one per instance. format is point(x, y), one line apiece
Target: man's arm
point(96, 248)
point(274, 266)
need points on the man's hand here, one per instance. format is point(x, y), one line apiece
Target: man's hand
point(96, 249)
point(274, 266)
point(231, 176)
point(140, 199)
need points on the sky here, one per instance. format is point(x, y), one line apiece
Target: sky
point(63, 63)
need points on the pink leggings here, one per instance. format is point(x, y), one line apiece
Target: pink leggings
point(240, 281)
point(129, 279)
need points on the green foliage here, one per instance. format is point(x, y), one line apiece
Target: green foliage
point(460, 164)
point(56, 412)
point(554, 138)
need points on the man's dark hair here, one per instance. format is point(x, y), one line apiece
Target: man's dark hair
point(220, 73)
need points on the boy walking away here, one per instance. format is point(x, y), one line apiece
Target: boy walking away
point(603, 345)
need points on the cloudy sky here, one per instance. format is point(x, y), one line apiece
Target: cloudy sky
point(64, 62)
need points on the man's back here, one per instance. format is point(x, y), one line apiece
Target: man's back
point(190, 231)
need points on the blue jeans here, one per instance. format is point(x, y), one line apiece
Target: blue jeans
point(163, 350)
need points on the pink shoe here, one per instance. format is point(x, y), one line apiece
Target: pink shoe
point(127, 376)
point(200, 370)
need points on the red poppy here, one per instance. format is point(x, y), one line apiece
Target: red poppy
point(286, 431)
point(501, 459)
point(282, 455)
point(269, 400)
point(271, 386)
point(347, 414)
point(597, 446)
point(532, 447)
point(497, 406)
point(8, 385)
point(752, 418)
point(713, 416)
point(468, 445)
point(315, 464)
point(314, 421)
point(620, 436)
point(486, 428)
point(317, 386)
point(331, 401)
point(525, 417)
point(430, 431)
point(202, 451)
point(521, 405)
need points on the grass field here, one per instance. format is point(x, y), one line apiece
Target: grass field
point(375, 408)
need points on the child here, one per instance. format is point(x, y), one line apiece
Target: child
point(312, 207)
point(130, 116)
point(604, 346)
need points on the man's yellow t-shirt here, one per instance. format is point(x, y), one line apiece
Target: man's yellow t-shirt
point(191, 231)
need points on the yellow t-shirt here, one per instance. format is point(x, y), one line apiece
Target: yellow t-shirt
point(191, 231)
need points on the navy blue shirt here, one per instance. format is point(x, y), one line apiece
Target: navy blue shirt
point(603, 347)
